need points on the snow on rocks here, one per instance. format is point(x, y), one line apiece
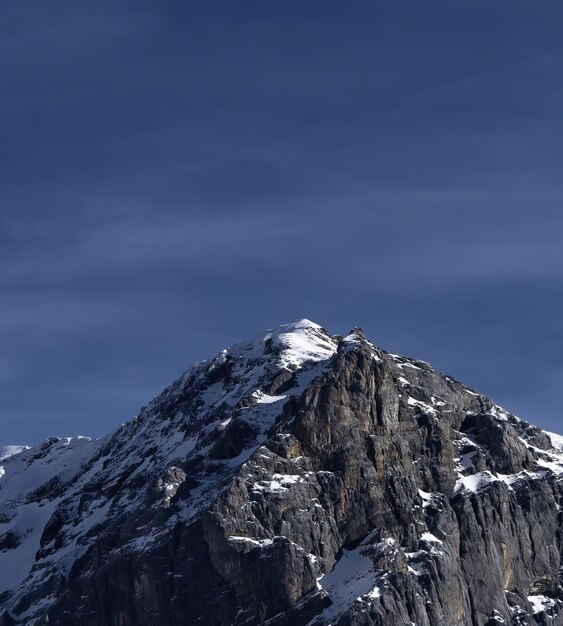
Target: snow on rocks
point(31, 488)
point(426, 408)
point(430, 537)
point(258, 543)
point(474, 483)
point(427, 498)
point(541, 603)
point(233, 396)
point(186, 447)
point(556, 440)
point(8, 451)
point(279, 483)
point(351, 578)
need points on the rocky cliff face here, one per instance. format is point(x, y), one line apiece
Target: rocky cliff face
point(299, 479)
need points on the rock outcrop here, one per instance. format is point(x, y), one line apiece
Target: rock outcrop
point(299, 479)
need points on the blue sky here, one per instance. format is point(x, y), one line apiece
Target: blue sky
point(178, 176)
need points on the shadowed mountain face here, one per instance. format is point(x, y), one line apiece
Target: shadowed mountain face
point(298, 479)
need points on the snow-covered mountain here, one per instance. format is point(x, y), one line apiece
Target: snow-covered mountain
point(297, 478)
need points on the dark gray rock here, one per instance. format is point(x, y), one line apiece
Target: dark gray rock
point(341, 486)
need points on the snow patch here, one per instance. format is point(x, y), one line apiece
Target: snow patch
point(416, 568)
point(541, 603)
point(8, 451)
point(556, 441)
point(279, 482)
point(426, 497)
point(474, 483)
point(300, 342)
point(260, 543)
point(264, 398)
point(352, 578)
point(426, 408)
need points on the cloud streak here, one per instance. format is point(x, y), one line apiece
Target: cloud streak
point(176, 178)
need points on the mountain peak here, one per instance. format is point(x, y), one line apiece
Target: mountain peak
point(299, 477)
point(300, 342)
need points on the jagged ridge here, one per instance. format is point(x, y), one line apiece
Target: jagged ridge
point(297, 478)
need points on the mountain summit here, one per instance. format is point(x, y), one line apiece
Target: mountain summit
point(297, 479)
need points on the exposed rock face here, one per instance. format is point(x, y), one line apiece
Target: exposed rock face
point(297, 479)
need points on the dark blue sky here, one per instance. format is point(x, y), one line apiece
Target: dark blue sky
point(176, 176)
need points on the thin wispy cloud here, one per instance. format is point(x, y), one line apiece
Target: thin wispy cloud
point(176, 178)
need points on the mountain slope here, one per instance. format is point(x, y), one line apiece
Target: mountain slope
point(298, 478)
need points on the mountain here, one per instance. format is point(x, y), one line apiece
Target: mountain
point(300, 478)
